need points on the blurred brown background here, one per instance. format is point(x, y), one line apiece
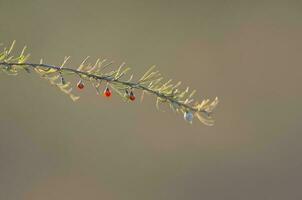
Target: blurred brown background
point(248, 53)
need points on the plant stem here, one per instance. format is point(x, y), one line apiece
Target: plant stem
point(108, 79)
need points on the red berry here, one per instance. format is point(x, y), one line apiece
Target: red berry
point(131, 96)
point(80, 85)
point(107, 92)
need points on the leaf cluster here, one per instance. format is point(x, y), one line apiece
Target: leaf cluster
point(152, 82)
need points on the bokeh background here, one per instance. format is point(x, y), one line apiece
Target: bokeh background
point(248, 53)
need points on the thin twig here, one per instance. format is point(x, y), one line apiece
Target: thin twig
point(106, 78)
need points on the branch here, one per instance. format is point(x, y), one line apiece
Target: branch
point(150, 82)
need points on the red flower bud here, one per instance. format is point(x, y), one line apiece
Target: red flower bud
point(107, 92)
point(80, 85)
point(132, 96)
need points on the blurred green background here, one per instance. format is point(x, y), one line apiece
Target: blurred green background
point(248, 53)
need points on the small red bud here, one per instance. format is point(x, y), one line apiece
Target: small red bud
point(132, 96)
point(80, 85)
point(107, 92)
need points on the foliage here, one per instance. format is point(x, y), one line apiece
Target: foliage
point(181, 101)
